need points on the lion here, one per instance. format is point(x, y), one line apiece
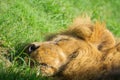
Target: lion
point(85, 51)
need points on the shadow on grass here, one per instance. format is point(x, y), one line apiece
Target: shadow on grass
point(19, 73)
point(19, 52)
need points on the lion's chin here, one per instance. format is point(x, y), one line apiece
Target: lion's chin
point(46, 70)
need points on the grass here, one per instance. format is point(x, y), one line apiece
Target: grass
point(25, 21)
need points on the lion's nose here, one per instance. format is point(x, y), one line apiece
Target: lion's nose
point(30, 48)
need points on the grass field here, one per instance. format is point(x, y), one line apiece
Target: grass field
point(25, 21)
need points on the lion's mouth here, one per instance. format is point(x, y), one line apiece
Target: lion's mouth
point(44, 65)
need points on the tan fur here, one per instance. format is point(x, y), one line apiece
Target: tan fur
point(82, 52)
point(95, 33)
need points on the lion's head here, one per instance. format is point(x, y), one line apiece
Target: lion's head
point(74, 52)
point(52, 55)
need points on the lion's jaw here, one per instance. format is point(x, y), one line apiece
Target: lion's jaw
point(49, 58)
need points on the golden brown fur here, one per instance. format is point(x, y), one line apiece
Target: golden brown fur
point(85, 51)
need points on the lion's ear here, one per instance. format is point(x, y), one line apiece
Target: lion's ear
point(81, 27)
